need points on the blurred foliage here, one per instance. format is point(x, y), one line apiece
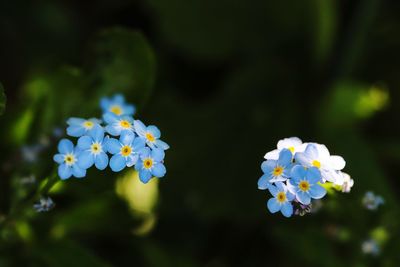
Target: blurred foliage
point(2, 100)
point(232, 79)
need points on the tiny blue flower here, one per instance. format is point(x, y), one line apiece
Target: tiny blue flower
point(150, 164)
point(125, 150)
point(151, 134)
point(45, 204)
point(117, 105)
point(68, 160)
point(93, 149)
point(79, 127)
point(117, 124)
point(276, 170)
point(372, 201)
point(281, 200)
point(304, 184)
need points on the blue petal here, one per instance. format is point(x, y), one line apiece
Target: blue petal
point(316, 191)
point(273, 190)
point(313, 175)
point(78, 172)
point(298, 173)
point(65, 146)
point(76, 130)
point(117, 163)
point(138, 144)
point(154, 131)
point(113, 146)
point(157, 154)
point(161, 144)
point(64, 171)
point(58, 158)
point(104, 104)
point(75, 121)
point(127, 137)
point(268, 166)
point(303, 197)
point(273, 205)
point(285, 157)
point(140, 128)
point(159, 170)
point(85, 142)
point(118, 99)
point(287, 209)
point(281, 187)
point(86, 160)
point(144, 153)
point(97, 133)
point(110, 117)
point(302, 159)
point(145, 175)
point(129, 109)
point(111, 129)
point(139, 165)
point(289, 196)
point(132, 160)
point(263, 183)
point(101, 161)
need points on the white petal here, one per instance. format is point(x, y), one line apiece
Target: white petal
point(337, 162)
point(274, 155)
point(289, 142)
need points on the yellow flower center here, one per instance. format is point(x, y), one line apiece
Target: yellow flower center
point(96, 148)
point(150, 137)
point(117, 110)
point(126, 151)
point(148, 163)
point(281, 197)
point(304, 186)
point(278, 171)
point(316, 163)
point(88, 125)
point(291, 149)
point(125, 124)
point(69, 159)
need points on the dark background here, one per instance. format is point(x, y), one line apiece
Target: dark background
point(224, 81)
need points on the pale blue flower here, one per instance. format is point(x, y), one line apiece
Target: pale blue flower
point(117, 124)
point(304, 184)
point(93, 147)
point(117, 105)
point(68, 160)
point(45, 204)
point(79, 127)
point(125, 150)
point(317, 155)
point(276, 170)
point(372, 201)
point(151, 134)
point(150, 164)
point(281, 200)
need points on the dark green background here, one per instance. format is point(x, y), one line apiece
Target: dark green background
point(224, 81)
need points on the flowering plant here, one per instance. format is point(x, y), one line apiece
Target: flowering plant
point(296, 173)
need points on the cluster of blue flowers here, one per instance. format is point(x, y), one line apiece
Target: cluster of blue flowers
point(122, 142)
point(295, 174)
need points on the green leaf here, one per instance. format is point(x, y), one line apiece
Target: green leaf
point(122, 62)
point(2, 100)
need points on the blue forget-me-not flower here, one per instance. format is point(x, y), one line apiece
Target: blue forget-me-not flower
point(150, 134)
point(281, 200)
point(93, 149)
point(78, 127)
point(117, 105)
point(68, 159)
point(150, 164)
point(276, 170)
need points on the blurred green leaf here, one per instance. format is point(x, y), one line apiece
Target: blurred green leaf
point(68, 253)
point(2, 100)
point(122, 62)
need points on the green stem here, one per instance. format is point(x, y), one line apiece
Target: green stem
point(20, 208)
